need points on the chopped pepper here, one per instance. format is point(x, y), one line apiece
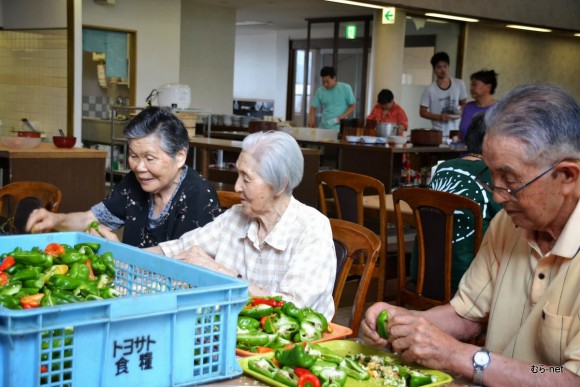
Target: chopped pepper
point(297, 356)
point(256, 338)
point(263, 366)
point(382, 321)
point(315, 318)
point(248, 323)
point(94, 226)
point(291, 310)
point(324, 353)
point(73, 257)
point(308, 379)
point(3, 278)
point(54, 249)
point(7, 263)
point(257, 311)
point(286, 376)
point(329, 375)
point(307, 332)
point(32, 301)
point(34, 258)
point(353, 369)
point(93, 246)
point(282, 324)
point(9, 302)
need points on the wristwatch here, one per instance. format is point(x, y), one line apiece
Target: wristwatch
point(481, 360)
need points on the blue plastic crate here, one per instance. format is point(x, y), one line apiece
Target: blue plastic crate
point(174, 325)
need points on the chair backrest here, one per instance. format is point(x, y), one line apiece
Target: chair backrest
point(433, 212)
point(346, 191)
point(228, 198)
point(19, 199)
point(363, 245)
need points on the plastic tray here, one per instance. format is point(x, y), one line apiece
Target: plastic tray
point(345, 347)
point(338, 332)
point(174, 325)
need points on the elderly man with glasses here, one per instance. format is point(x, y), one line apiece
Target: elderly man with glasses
point(525, 280)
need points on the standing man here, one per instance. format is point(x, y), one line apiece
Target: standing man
point(524, 283)
point(441, 101)
point(335, 98)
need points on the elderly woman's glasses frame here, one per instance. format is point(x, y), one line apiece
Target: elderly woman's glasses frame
point(508, 193)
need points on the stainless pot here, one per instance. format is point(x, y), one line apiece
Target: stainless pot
point(386, 129)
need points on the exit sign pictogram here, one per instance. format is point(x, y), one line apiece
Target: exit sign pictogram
point(389, 15)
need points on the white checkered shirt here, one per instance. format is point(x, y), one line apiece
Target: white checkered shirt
point(296, 260)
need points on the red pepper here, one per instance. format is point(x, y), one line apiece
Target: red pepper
point(301, 371)
point(43, 369)
point(54, 249)
point(268, 301)
point(308, 380)
point(7, 263)
point(3, 278)
point(91, 272)
point(31, 301)
point(265, 349)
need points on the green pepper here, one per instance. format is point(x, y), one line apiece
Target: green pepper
point(291, 310)
point(64, 282)
point(324, 353)
point(14, 268)
point(48, 299)
point(297, 356)
point(73, 257)
point(255, 338)
point(282, 324)
point(109, 262)
point(94, 226)
point(263, 366)
point(382, 321)
point(353, 369)
point(280, 342)
point(30, 272)
point(257, 311)
point(10, 302)
point(315, 318)
point(248, 323)
point(36, 283)
point(418, 378)
point(67, 248)
point(62, 296)
point(97, 264)
point(34, 258)
point(55, 269)
point(104, 280)
point(10, 289)
point(79, 271)
point(26, 292)
point(93, 246)
point(286, 376)
point(109, 293)
point(329, 374)
point(307, 332)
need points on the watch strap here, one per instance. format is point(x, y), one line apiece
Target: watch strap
point(478, 368)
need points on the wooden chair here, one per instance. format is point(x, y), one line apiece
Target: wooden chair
point(433, 212)
point(228, 199)
point(347, 190)
point(19, 199)
point(362, 246)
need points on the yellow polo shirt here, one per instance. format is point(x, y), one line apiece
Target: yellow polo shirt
point(531, 300)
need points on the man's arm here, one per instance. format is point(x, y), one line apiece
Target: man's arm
point(312, 117)
point(425, 113)
point(348, 112)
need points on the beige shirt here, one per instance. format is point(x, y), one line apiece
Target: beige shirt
point(532, 301)
point(296, 260)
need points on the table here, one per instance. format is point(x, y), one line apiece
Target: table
point(371, 205)
point(306, 192)
point(78, 172)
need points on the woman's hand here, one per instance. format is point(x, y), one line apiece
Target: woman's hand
point(41, 220)
point(417, 340)
point(104, 232)
point(196, 256)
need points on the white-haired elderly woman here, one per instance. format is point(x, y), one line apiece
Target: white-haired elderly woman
point(279, 245)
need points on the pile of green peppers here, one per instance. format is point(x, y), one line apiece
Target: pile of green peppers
point(315, 365)
point(270, 322)
point(35, 278)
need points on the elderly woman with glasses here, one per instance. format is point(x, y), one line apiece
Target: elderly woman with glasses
point(279, 245)
point(524, 283)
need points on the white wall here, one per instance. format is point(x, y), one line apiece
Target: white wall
point(158, 26)
point(207, 55)
point(255, 66)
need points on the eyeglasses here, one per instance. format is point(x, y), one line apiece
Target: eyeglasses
point(507, 193)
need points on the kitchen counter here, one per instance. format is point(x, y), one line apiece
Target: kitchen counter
point(78, 172)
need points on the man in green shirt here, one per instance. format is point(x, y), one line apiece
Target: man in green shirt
point(335, 98)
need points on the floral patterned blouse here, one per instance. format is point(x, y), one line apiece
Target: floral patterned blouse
point(193, 204)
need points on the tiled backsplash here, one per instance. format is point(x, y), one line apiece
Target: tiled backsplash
point(96, 107)
point(33, 79)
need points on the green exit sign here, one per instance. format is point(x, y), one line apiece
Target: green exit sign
point(389, 15)
point(351, 31)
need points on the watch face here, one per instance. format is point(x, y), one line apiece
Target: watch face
point(481, 358)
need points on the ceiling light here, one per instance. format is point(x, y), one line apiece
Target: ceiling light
point(460, 18)
point(518, 27)
point(358, 3)
point(252, 23)
point(578, 34)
